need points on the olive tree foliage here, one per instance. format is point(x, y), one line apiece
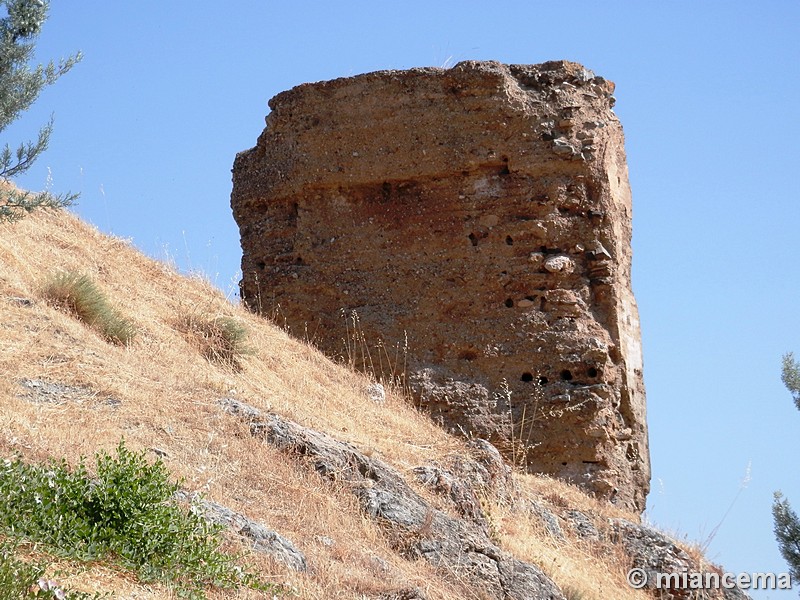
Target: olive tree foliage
point(787, 524)
point(20, 86)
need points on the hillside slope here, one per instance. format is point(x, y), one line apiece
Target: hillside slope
point(67, 392)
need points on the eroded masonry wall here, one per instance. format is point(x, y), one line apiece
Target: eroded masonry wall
point(472, 226)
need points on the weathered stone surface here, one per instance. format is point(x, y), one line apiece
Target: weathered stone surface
point(404, 594)
point(416, 529)
point(466, 478)
point(261, 538)
point(376, 393)
point(54, 392)
point(655, 554)
point(460, 493)
point(582, 524)
point(482, 214)
point(548, 519)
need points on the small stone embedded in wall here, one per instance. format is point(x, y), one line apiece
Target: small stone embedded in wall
point(559, 264)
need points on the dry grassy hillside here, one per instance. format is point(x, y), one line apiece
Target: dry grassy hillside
point(161, 394)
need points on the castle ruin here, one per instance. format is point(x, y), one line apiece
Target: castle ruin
point(477, 222)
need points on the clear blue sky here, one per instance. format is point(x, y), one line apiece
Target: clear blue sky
point(147, 127)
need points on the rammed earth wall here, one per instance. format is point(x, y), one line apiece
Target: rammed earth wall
point(479, 216)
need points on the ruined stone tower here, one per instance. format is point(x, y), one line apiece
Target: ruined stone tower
point(474, 222)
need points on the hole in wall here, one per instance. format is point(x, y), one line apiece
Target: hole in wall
point(504, 171)
point(468, 354)
point(543, 380)
point(526, 376)
point(509, 303)
point(261, 265)
point(592, 372)
point(473, 238)
point(566, 375)
point(509, 240)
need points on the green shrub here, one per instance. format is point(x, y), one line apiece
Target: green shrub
point(221, 339)
point(126, 513)
point(79, 295)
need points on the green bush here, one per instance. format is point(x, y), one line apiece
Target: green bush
point(126, 513)
point(79, 295)
point(221, 339)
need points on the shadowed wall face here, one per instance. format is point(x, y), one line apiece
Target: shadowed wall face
point(469, 231)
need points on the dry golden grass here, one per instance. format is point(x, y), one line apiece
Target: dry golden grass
point(591, 570)
point(165, 395)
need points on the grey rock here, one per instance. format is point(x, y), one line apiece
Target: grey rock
point(261, 538)
point(482, 472)
point(562, 146)
point(414, 527)
point(655, 553)
point(582, 525)
point(550, 521)
point(376, 393)
point(20, 301)
point(53, 392)
point(459, 492)
point(488, 470)
point(404, 594)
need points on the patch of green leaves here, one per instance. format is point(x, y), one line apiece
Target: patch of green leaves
point(126, 513)
point(78, 294)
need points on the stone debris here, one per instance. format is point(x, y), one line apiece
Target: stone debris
point(484, 226)
point(53, 392)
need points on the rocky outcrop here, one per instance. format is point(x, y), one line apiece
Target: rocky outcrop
point(655, 556)
point(258, 537)
point(415, 528)
point(475, 222)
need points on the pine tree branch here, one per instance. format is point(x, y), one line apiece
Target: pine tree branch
point(20, 85)
point(26, 153)
point(15, 204)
